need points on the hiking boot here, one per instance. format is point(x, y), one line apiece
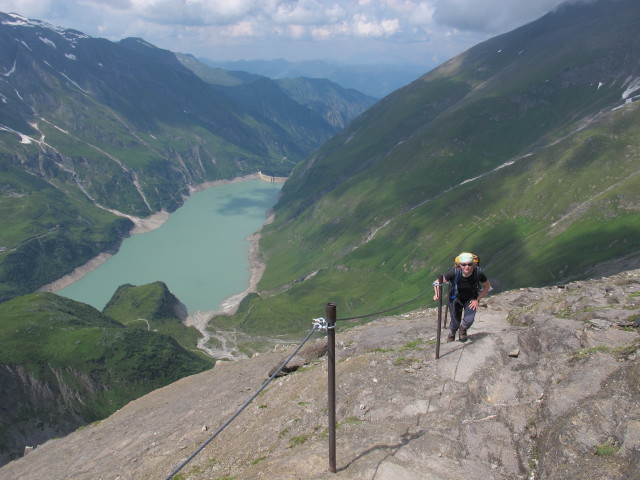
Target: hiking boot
point(463, 334)
point(451, 337)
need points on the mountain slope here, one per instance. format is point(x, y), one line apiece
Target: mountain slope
point(523, 149)
point(338, 106)
point(110, 131)
point(63, 364)
point(335, 104)
point(547, 388)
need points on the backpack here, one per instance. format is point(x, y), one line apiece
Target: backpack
point(453, 293)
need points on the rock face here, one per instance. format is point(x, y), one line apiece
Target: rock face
point(547, 387)
point(35, 409)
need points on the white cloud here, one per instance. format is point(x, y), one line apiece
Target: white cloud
point(363, 26)
point(240, 29)
point(422, 13)
point(296, 13)
point(368, 30)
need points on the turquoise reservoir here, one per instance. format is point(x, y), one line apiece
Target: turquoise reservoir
point(201, 252)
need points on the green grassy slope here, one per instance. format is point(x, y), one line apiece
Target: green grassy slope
point(65, 364)
point(62, 333)
point(151, 307)
point(46, 228)
point(515, 150)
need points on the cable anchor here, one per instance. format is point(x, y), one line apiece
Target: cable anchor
point(321, 324)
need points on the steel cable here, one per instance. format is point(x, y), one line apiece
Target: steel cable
point(246, 404)
point(382, 311)
point(319, 324)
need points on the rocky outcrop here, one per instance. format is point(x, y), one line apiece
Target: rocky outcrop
point(546, 388)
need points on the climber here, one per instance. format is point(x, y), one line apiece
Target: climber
point(464, 294)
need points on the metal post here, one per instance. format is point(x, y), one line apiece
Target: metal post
point(439, 329)
point(331, 387)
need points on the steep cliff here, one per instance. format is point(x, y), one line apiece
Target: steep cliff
point(38, 406)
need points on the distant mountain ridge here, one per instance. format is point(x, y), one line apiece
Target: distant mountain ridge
point(374, 80)
point(335, 104)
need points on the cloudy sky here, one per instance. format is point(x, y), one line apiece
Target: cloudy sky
point(415, 32)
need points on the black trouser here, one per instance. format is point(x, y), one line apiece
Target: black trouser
point(461, 315)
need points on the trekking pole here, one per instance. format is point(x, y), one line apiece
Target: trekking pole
point(446, 312)
point(439, 287)
point(446, 307)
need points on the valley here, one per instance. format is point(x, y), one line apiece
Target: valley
point(511, 150)
point(524, 149)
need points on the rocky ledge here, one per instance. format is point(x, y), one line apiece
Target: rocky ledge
point(547, 387)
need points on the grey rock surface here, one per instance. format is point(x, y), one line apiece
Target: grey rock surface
point(564, 407)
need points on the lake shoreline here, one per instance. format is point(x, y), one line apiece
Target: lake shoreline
point(148, 224)
point(200, 320)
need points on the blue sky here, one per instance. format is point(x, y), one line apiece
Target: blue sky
point(424, 33)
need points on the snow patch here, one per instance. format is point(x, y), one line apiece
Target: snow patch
point(53, 125)
point(145, 43)
point(46, 41)
point(70, 56)
point(634, 85)
point(25, 139)
point(18, 20)
point(74, 83)
point(70, 35)
point(13, 69)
